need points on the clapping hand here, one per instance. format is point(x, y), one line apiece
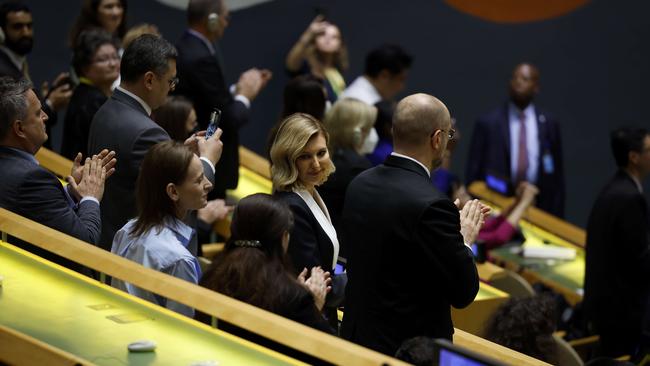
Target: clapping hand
point(319, 284)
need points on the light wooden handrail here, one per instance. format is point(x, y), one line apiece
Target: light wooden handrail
point(17, 348)
point(248, 317)
point(254, 162)
point(54, 162)
point(496, 351)
point(545, 220)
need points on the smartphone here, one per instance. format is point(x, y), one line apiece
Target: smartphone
point(214, 123)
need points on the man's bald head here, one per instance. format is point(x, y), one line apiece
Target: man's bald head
point(416, 118)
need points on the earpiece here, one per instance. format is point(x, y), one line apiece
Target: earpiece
point(356, 136)
point(213, 22)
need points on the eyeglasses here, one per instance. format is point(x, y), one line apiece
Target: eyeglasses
point(450, 133)
point(173, 82)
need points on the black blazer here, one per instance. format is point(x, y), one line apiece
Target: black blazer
point(8, 68)
point(618, 256)
point(490, 153)
point(407, 262)
point(348, 165)
point(202, 81)
point(31, 191)
point(309, 245)
point(122, 125)
point(85, 102)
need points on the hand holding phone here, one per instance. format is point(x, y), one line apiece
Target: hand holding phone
point(214, 123)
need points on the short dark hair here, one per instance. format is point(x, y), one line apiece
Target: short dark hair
point(87, 44)
point(304, 94)
point(387, 57)
point(525, 325)
point(11, 7)
point(146, 53)
point(172, 116)
point(165, 162)
point(419, 351)
point(626, 139)
point(198, 10)
point(13, 102)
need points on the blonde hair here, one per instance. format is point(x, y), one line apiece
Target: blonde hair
point(293, 135)
point(346, 121)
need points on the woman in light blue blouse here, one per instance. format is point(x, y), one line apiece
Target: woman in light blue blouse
point(170, 184)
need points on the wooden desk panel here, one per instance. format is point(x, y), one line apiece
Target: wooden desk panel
point(96, 322)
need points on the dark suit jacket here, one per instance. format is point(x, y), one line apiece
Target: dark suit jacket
point(309, 245)
point(618, 256)
point(7, 68)
point(348, 165)
point(122, 125)
point(407, 262)
point(202, 81)
point(85, 102)
point(490, 153)
point(31, 191)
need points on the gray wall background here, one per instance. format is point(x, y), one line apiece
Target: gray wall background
point(594, 64)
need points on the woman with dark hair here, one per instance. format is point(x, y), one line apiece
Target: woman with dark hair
point(525, 325)
point(254, 266)
point(320, 51)
point(109, 15)
point(302, 94)
point(170, 184)
point(97, 64)
point(177, 116)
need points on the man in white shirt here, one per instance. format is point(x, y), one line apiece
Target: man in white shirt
point(384, 77)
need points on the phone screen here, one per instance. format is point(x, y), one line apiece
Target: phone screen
point(214, 123)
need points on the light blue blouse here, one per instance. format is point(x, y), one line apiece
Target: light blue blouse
point(163, 248)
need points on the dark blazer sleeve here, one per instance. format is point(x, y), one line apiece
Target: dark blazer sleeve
point(443, 249)
point(41, 194)
point(141, 145)
point(303, 244)
point(633, 239)
point(215, 93)
point(475, 169)
point(207, 170)
point(303, 310)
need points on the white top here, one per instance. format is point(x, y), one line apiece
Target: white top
point(362, 89)
point(532, 140)
point(319, 210)
point(410, 158)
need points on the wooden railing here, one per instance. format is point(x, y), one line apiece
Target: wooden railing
point(546, 221)
point(269, 325)
point(17, 348)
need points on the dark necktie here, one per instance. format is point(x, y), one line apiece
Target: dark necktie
point(522, 155)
